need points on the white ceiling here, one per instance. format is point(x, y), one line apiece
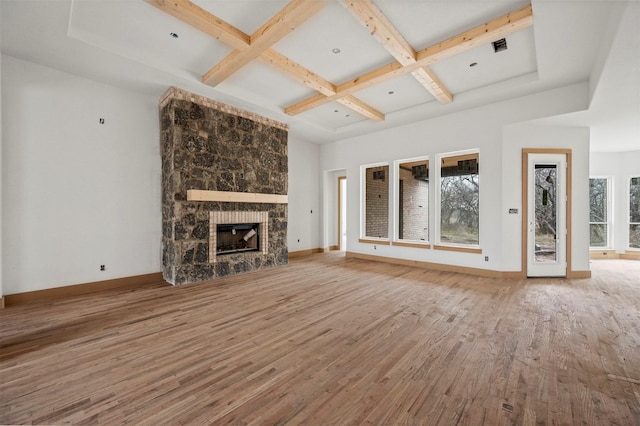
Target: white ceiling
point(127, 43)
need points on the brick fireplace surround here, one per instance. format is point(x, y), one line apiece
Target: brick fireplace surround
point(206, 145)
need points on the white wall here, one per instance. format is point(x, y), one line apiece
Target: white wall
point(521, 136)
point(304, 214)
point(1, 176)
point(480, 128)
point(76, 193)
point(620, 167)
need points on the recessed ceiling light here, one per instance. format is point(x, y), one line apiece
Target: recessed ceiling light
point(347, 115)
point(174, 35)
point(473, 64)
point(391, 92)
point(335, 50)
point(335, 110)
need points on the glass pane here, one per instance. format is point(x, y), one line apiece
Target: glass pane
point(546, 213)
point(413, 199)
point(459, 200)
point(634, 201)
point(377, 202)
point(598, 235)
point(634, 236)
point(597, 200)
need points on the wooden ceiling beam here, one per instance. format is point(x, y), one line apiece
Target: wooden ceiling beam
point(296, 71)
point(372, 18)
point(197, 17)
point(317, 83)
point(432, 83)
point(280, 25)
point(488, 32)
point(208, 23)
point(357, 105)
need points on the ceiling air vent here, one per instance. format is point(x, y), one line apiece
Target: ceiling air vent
point(499, 45)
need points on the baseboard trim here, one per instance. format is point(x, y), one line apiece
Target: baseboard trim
point(303, 253)
point(488, 273)
point(429, 265)
point(603, 254)
point(578, 274)
point(630, 255)
point(76, 289)
point(514, 275)
point(2, 302)
point(332, 248)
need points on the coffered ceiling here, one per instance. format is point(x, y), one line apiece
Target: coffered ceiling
point(329, 68)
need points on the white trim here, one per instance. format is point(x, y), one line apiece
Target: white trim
point(396, 202)
point(438, 208)
point(363, 201)
point(628, 213)
point(609, 222)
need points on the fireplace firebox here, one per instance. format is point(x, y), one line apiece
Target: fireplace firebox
point(237, 238)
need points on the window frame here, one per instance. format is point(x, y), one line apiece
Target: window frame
point(363, 203)
point(628, 213)
point(609, 222)
point(445, 245)
point(397, 241)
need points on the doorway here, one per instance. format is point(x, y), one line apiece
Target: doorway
point(342, 213)
point(546, 222)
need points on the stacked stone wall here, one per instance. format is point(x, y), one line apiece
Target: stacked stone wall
point(207, 147)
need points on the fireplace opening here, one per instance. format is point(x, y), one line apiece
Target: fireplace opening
point(237, 237)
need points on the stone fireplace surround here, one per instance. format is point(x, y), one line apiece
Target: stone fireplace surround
point(209, 147)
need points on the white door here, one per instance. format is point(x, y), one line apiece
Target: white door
point(547, 215)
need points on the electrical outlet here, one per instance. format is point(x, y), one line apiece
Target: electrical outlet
point(486, 258)
point(375, 248)
point(103, 268)
point(298, 239)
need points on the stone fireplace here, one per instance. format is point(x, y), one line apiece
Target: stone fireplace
point(224, 186)
point(237, 232)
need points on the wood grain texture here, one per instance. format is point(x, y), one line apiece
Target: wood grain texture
point(329, 340)
point(380, 27)
point(486, 33)
point(235, 197)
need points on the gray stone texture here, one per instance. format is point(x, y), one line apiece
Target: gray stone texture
point(204, 148)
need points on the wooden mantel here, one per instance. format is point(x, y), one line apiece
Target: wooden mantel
point(235, 197)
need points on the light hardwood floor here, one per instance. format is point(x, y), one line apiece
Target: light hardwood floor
point(332, 341)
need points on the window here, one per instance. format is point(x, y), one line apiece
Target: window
point(634, 213)
point(412, 200)
point(376, 201)
point(599, 212)
point(459, 199)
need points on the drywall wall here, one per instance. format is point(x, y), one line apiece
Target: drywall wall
point(519, 136)
point(619, 167)
point(83, 194)
point(1, 180)
point(304, 196)
point(479, 128)
point(76, 193)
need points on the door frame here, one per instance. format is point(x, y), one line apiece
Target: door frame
point(525, 204)
point(340, 179)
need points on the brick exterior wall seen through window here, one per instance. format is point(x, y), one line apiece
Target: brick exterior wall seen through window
point(414, 215)
point(377, 202)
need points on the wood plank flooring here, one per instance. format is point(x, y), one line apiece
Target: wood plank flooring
point(332, 341)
